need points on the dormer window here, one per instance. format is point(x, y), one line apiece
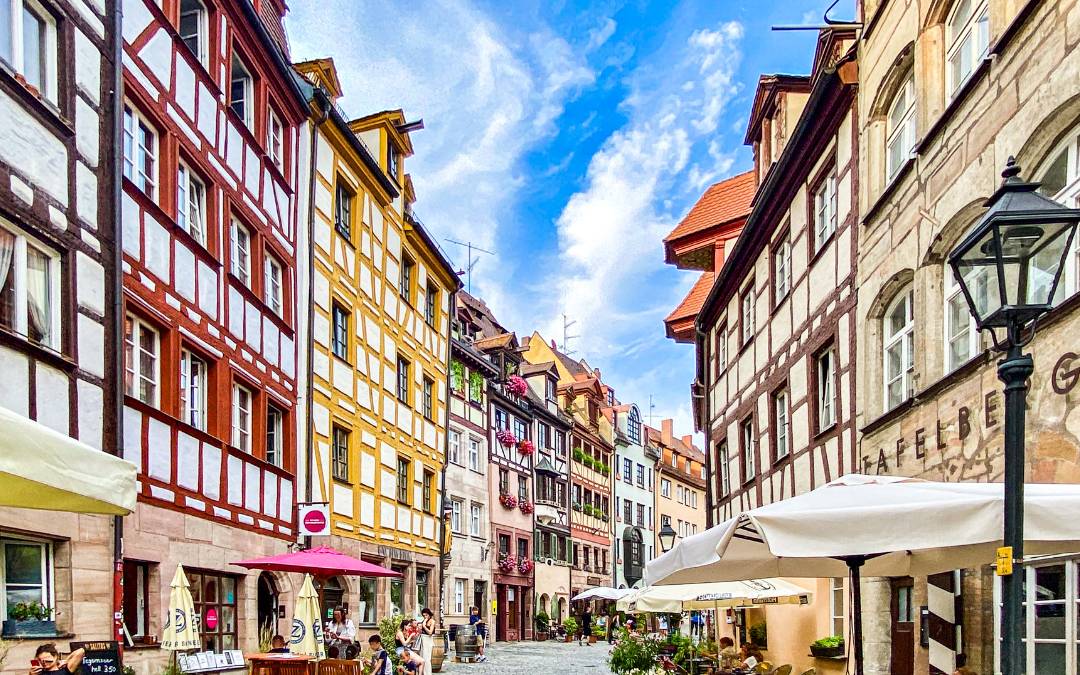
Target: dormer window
point(392, 161)
point(549, 388)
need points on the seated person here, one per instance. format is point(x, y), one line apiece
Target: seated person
point(380, 660)
point(748, 651)
point(410, 662)
point(48, 660)
point(277, 645)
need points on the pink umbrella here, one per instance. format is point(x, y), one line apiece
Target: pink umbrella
point(321, 562)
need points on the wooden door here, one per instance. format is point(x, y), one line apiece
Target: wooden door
point(903, 627)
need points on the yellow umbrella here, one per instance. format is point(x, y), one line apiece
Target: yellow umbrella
point(307, 632)
point(180, 632)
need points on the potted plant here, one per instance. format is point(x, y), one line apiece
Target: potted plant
point(29, 619)
point(506, 438)
point(526, 447)
point(516, 385)
point(828, 647)
point(525, 565)
point(507, 563)
point(578, 455)
point(759, 635)
point(508, 501)
point(542, 621)
point(570, 625)
point(526, 506)
point(598, 632)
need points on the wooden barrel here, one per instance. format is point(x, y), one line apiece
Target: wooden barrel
point(465, 642)
point(438, 650)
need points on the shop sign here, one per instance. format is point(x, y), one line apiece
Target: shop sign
point(211, 619)
point(314, 519)
point(101, 658)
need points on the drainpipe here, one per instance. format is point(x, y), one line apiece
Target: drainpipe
point(118, 304)
point(703, 336)
point(309, 389)
point(450, 317)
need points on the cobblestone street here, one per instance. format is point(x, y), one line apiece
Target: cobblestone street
point(536, 658)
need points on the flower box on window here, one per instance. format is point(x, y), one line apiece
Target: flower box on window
point(508, 501)
point(506, 438)
point(525, 565)
point(29, 619)
point(526, 506)
point(516, 385)
point(507, 563)
point(526, 447)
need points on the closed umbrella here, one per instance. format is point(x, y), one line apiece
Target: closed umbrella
point(180, 632)
point(874, 525)
point(307, 632)
point(688, 597)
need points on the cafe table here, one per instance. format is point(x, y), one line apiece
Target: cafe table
point(280, 664)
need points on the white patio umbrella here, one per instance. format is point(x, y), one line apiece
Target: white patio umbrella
point(307, 631)
point(688, 597)
point(601, 593)
point(180, 631)
point(877, 525)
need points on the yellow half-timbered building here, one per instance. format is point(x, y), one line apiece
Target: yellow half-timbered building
point(380, 304)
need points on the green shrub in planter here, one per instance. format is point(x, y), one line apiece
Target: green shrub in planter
point(633, 654)
point(542, 621)
point(570, 625)
point(29, 619)
point(759, 634)
point(826, 647)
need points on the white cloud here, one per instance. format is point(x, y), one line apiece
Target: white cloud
point(601, 34)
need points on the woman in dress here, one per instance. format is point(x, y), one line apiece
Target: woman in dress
point(427, 638)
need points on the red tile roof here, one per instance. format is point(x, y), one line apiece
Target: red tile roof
point(722, 202)
point(691, 304)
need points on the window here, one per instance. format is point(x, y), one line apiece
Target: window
point(431, 298)
point(454, 454)
point(136, 594)
point(429, 385)
point(365, 612)
point(25, 573)
point(140, 152)
point(241, 90)
point(141, 361)
point(29, 288)
point(215, 593)
point(899, 356)
point(402, 380)
point(474, 454)
point(192, 390)
point(825, 209)
point(641, 475)
point(522, 548)
point(720, 348)
point(550, 389)
point(523, 489)
point(274, 439)
point(28, 44)
point(459, 596)
point(429, 491)
point(961, 334)
point(455, 516)
point(403, 480)
point(967, 34)
point(240, 262)
point(627, 510)
point(504, 482)
point(781, 442)
point(272, 284)
point(781, 259)
point(665, 488)
point(405, 282)
point(476, 519)
point(640, 515)
point(343, 210)
point(241, 418)
point(836, 605)
point(826, 372)
point(340, 463)
point(275, 139)
point(340, 343)
point(422, 577)
point(748, 449)
point(193, 28)
point(746, 304)
point(628, 471)
point(190, 203)
point(392, 161)
point(633, 425)
point(900, 128)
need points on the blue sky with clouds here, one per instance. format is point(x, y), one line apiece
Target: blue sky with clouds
point(568, 138)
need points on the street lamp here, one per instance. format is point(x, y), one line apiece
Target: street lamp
point(667, 537)
point(1009, 269)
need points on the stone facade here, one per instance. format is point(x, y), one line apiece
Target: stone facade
point(634, 484)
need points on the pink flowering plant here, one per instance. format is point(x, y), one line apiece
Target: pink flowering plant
point(508, 501)
point(526, 506)
point(516, 385)
point(526, 447)
point(507, 563)
point(525, 565)
point(506, 438)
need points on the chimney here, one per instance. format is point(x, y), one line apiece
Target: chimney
point(688, 440)
point(553, 345)
point(665, 432)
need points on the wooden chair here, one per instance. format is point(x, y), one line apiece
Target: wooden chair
point(783, 670)
point(811, 671)
point(339, 667)
point(283, 667)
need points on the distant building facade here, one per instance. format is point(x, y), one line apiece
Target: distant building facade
point(634, 486)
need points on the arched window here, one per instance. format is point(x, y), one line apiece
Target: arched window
point(967, 36)
point(900, 127)
point(961, 334)
point(633, 425)
point(899, 352)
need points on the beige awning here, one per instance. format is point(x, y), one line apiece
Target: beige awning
point(43, 469)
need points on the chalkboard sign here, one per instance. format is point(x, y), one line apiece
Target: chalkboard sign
point(102, 658)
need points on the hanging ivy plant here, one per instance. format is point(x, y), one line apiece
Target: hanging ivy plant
point(476, 386)
point(457, 376)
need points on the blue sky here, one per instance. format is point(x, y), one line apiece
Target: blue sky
point(568, 138)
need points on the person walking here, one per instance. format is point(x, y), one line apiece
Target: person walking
point(586, 625)
point(427, 638)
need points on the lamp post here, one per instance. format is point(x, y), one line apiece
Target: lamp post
point(667, 537)
point(1009, 268)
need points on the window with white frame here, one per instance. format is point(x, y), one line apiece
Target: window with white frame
point(141, 348)
point(455, 516)
point(275, 441)
point(900, 127)
point(28, 44)
point(140, 152)
point(476, 519)
point(781, 437)
point(194, 29)
point(836, 606)
point(1059, 179)
point(746, 324)
point(665, 488)
point(275, 139)
point(749, 450)
point(241, 417)
point(272, 288)
point(340, 454)
point(459, 596)
point(474, 454)
point(240, 260)
point(29, 287)
point(825, 371)
point(241, 90)
point(26, 573)
point(190, 203)
point(967, 36)
point(339, 341)
point(781, 259)
point(633, 425)
point(720, 347)
point(192, 389)
point(1051, 628)
point(454, 453)
point(825, 209)
point(961, 334)
point(898, 331)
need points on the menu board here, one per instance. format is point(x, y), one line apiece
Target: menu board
point(102, 658)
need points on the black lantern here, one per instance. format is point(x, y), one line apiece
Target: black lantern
point(1010, 266)
point(667, 537)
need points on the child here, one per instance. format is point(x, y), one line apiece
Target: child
point(410, 662)
point(380, 661)
point(277, 645)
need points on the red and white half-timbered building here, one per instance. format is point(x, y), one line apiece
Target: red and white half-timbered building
point(209, 214)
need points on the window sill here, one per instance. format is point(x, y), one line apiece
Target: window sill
point(890, 188)
point(820, 249)
point(20, 342)
point(825, 432)
point(42, 108)
point(953, 106)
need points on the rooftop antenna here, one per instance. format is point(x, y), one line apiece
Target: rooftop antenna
point(566, 336)
point(651, 408)
point(829, 23)
point(472, 261)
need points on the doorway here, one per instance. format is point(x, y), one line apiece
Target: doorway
point(903, 626)
point(267, 605)
point(479, 598)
